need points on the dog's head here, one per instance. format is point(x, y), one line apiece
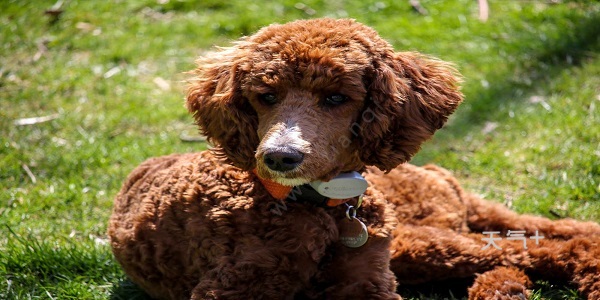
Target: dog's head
point(309, 99)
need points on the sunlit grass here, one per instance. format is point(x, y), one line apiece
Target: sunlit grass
point(111, 72)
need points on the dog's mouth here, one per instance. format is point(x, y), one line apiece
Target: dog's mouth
point(287, 178)
point(291, 181)
point(303, 174)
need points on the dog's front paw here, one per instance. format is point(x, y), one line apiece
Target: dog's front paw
point(501, 284)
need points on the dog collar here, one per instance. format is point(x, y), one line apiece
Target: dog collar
point(301, 193)
point(353, 233)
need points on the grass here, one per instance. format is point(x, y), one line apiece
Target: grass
point(110, 73)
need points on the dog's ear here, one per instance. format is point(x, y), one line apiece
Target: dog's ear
point(410, 97)
point(224, 116)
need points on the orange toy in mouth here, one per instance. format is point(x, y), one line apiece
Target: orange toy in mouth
point(278, 191)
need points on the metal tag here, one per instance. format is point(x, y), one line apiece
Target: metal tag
point(353, 232)
point(343, 186)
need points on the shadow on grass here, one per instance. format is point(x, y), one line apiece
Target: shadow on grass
point(127, 290)
point(451, 289)
point(457, 289)
point(570, 49)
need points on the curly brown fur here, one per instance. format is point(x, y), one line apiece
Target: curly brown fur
point(439, 237)
point(502, 284)
point(305, 101)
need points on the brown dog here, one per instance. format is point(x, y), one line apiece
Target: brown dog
point(301, 103)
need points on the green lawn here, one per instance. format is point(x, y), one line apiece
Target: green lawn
point(108, 74)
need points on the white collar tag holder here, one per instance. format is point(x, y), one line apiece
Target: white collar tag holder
point(344, 186)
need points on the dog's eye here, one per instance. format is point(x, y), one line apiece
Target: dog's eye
point(268, 99)
point(335, 99)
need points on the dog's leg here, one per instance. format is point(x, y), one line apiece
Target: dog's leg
point(359, 273)
point(488, 216)
point(276, 260)
point(261, 274)
point(482, 215)
point(576, 260)
point(422, 253)
point(501, 283)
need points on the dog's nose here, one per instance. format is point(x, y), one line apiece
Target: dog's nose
point(282, 161)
